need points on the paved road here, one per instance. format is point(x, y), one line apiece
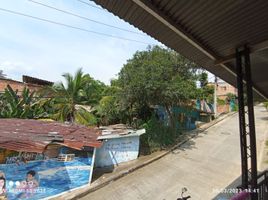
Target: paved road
point(204, 165)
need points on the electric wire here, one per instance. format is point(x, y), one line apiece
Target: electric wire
point(71, 26)
point(85, 18)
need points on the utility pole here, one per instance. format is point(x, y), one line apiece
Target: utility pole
point(215, 96)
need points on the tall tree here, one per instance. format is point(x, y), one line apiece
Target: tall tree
point(65, 97)
point(203, 78)
point(206, 90)
point(93, 90)
point(157, 76)
point(109, 108)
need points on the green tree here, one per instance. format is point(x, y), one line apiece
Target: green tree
point(203, 78)
point(64, 99)
point(157, 76)
point(109, 109)
point(206, 90)
point(93, 90)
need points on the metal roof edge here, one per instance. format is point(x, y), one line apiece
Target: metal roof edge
point(188, 38)
point(113, 136)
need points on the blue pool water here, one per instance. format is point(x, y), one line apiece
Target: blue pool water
point(54, 177)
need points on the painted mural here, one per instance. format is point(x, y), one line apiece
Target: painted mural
point(37, 176)
point(186, 117)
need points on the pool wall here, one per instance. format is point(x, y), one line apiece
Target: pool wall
point(54, 177)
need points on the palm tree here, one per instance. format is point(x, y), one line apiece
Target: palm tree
point(65, 97)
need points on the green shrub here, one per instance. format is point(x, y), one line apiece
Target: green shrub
point(158, 136)
point(235, 107)
point(221, 102)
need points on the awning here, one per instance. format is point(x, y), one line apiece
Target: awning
point(205, 31)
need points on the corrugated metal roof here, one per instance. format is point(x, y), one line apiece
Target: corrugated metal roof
point(118, 131)
point(37, 81)
point(33, 135)
point(213, 29)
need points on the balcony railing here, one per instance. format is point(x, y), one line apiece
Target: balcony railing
point(263, 185)
point(261, 190)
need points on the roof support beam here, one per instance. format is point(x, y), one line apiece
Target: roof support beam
point(253, 48)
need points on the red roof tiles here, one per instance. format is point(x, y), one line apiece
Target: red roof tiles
point(33, 135)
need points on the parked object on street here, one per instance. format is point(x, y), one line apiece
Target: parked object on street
point(183, 190)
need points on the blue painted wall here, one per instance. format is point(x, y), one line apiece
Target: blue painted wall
point(186, 117)
point(54, 177)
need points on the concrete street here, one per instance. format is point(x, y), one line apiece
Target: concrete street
point(204, 165)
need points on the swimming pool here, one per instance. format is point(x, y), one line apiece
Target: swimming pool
point(54, 177)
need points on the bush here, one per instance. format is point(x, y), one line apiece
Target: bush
point(221, 102)
point(235, 107)
point(157, 137)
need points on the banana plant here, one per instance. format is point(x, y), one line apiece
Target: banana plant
point(19, 105)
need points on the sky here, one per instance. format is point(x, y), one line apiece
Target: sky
point(45, 50)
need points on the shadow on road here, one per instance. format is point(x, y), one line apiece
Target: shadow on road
point(189, 143)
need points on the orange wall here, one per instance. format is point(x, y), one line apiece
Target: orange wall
point(223, 108)
point(16, 85)
point(223, 89)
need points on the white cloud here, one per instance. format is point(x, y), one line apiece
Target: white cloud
point(15, 69)
point(47, 51)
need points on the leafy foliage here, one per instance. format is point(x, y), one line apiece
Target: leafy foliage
point(157, 136)
point(203, 78)
point(157, 76)
point(24, 105)
point(206, 91)
point(64, 98)
point(92, 90)
point(221, 102)
point(108, 110)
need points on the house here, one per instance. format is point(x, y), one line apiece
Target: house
point(59, 157)
point(32, 83)
point(223, 89)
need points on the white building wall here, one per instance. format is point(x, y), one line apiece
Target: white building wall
point(117, 150)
